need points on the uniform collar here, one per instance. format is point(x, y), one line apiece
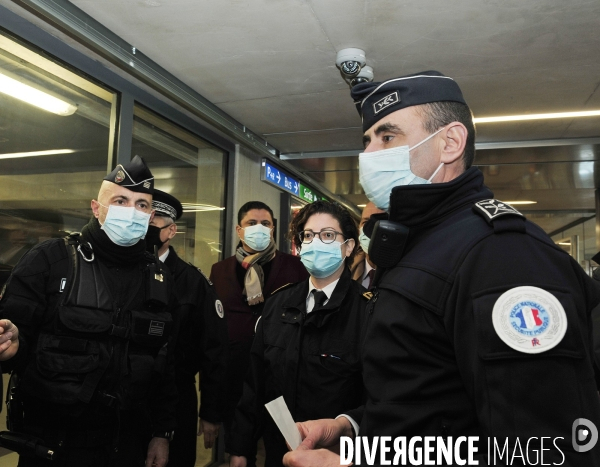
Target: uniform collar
point(298, 299)
point(417, 205)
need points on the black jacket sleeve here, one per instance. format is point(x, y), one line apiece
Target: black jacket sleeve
point(213, 352)
point(250, 413)
point(30, 294)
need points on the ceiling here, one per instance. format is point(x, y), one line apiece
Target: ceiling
point(271, 65)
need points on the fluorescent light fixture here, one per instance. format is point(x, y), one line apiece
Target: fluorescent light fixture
point(520, 202)
point(515, 118)
point(361, 205)
point(51, 152)
point(191, 207)
point(33, 96)
point(564, 243)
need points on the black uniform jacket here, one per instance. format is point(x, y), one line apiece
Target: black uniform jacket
point(312, 360)
point(31, 300)
point(202, 343)
point(433, 361)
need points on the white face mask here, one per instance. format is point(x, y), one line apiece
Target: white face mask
point(380, 171)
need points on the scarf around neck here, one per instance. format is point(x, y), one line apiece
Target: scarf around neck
point(106, 250)
point(254, 280)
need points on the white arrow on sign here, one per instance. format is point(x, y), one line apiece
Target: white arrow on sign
point(296, 187)
point(278, 177)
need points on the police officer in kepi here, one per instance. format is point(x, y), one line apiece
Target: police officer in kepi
point(95, 372)
point(202, 343)
point(480, 324)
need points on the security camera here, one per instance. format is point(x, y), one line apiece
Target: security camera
point(364, 76)
point(350, 62)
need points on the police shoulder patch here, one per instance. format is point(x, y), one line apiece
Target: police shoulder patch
point(283, 287)
point(490, 209)
point(529, 319)
point(219, 308)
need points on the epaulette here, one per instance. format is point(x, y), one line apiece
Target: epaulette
point(492, 209)
point(201, 272)
point(283, 287)
point(367, 295)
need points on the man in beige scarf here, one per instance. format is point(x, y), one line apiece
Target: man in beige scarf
point(243, 282)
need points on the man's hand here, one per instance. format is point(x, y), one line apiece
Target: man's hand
point(316, 458)
point(9, 340)
point(237, 461)
point(158, 452)
point(210, 432)
point(317, 434)
point(323, 433)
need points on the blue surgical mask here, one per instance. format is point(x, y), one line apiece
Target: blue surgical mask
point(380, 171)
point(364, 241)
point(321, 259)
point(257, 237)
point(125, 226)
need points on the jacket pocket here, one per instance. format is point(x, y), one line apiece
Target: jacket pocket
point(86, 320)
point(62, 364)
point(149, 328)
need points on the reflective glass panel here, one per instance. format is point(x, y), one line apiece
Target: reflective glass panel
point(193, 171)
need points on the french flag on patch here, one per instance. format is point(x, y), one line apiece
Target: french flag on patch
point(530, 317)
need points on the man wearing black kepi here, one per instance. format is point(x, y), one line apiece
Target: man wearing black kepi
point(202, 342)
point(480, 326)
point(95, 372)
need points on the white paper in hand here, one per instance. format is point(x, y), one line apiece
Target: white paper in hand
point(283, 418)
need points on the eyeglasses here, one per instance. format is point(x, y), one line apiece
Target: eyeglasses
point(325, 235)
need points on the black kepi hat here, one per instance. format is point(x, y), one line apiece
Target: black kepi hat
point(167, 205)
point(135, 176)
point(376, 100)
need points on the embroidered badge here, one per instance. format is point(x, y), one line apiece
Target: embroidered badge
point(493, 208)
point(157, 328)
point(219, 308)
point(120, 176)
point(146, 185)
point(384, 103)
point(529, 319)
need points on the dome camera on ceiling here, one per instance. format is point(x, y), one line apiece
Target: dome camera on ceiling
point(352, 64)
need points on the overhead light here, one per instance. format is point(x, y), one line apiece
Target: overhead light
point(33, 96)
point(564, 243)
point(520, 202)
point(515, 118)
point(51, 152)
point(191, 207)
point(361, 205)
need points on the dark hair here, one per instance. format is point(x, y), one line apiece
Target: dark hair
point(335, 210)
point(438, 114)
point(249, 206)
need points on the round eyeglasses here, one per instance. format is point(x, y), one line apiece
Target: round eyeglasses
point(325, 235)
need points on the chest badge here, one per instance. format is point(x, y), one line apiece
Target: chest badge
point(529, 319)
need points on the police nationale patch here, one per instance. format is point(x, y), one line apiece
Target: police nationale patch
point(493, 208)
point(529, 319)
point(157, 328)
point(120, 176)
point(384, 103)
point(219, 308)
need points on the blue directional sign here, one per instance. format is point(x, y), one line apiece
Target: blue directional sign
point(279, 178)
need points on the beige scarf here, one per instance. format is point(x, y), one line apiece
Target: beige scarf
point(254, 281)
